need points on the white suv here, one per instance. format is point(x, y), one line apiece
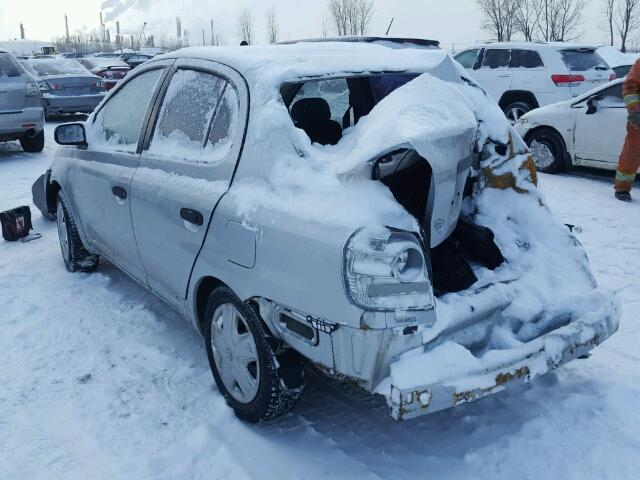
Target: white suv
point(524, 76)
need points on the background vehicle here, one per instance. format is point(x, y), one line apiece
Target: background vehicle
point(66, 86)
point(111, 70)
point(524, 76)
point(620, 62)
point(282, 238)
point(135, 59)
point(587, 131)
point(73, 55)
point(21, 114)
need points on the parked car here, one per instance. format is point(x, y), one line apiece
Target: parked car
point(66, 86)
point(221, 180)
point(620, 62)
point(524, 76)
point(135, 59)
point(111, 70)
point(586, 131)
point(21, 114)
point(106, 55)
point(73, 55)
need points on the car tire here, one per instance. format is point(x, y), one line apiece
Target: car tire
point(75, 255)
point(272, 377)
point(548, 150)
point(514, 111)
point(33, 144)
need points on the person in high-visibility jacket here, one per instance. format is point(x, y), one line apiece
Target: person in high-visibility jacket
point(630, 156)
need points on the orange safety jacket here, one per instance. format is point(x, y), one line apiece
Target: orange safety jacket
point(631, 88)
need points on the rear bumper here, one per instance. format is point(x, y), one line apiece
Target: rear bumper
point(503, 368)
point(53, 104)
point(15, 124)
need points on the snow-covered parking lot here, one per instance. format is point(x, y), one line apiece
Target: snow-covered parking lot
point(99, 379)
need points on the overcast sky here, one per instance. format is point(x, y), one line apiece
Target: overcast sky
point(453, 22)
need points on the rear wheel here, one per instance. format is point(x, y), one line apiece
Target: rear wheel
point(548, 150)
point(33, 144)
point(515, 110)
point(75, 256)
point(257, 378)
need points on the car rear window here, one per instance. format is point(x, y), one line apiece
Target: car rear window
point(583, 60)
point(43, 68)
point(9, 66)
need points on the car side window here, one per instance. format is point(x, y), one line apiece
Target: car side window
point(467, 59)
point(334, 91)
point(525, 59)
point(119, 121)
point(496, 58)
point(196, 118)
point(612, 97)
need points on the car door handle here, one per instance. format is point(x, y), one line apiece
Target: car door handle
point(119, 192)
point(192, 216)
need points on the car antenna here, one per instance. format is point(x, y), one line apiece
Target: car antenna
point(390, 23)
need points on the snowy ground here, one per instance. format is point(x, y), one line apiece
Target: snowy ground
point(98, 379)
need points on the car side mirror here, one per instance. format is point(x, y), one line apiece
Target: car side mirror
point(592, 105)
point(70, 134)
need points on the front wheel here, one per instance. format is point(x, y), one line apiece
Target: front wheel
point(548, 150)
point(75, 256)
point(33, 144)
point(258, 380)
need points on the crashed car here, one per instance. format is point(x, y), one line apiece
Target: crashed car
point(365, 209)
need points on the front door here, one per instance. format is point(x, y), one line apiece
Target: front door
point(599, 136)
point(103, 172)
point(186, 166)
point(493, 72)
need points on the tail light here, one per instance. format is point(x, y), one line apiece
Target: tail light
point(55, 86)
point(33, 90)
point(612, 77)
point(567, 80)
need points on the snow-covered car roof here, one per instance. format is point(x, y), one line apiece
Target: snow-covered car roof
point(537, 45)
point(615, 58)
point(276, 64)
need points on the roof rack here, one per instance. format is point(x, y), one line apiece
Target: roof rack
point(421, 42)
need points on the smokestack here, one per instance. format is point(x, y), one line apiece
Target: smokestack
point(118, 27)
point(203, 37)
point(179, 27)
point(21, 32)
point(101, 22)
point(66, 27)
point(132, 45)
point(212, 39)
point(108, 36)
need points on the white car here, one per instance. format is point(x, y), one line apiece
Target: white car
point(587, 131)
point(620, 62)
point(524, 76)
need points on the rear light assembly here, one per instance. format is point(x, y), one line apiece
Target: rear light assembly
point(55, 86)
point(567, 80)
point(33, 89)
point(612, 77)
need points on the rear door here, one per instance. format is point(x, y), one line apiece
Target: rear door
point(492, 71)
point(589, 68)
point(13, 80)
point(103, 172)
point(599, 136)
point(186, 167)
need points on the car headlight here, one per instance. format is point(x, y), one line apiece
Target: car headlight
point(386, 270)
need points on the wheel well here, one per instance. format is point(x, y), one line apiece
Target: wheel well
point(52, 196)
point(518, 96)
point(203, 290)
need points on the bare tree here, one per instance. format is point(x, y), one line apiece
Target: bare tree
point(527, 17)
point(498, 17)
point(272, 25)
point(326, 26)
point(246, 26)
point(627, 20)
point(351, 17)
point(609, 11)
point(560, 19)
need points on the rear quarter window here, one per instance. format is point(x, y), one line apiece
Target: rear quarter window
point(583, 60)
point(525, 59)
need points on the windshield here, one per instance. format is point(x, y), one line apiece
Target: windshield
point(583, 60)
point(9, 66)
point(43, 68)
